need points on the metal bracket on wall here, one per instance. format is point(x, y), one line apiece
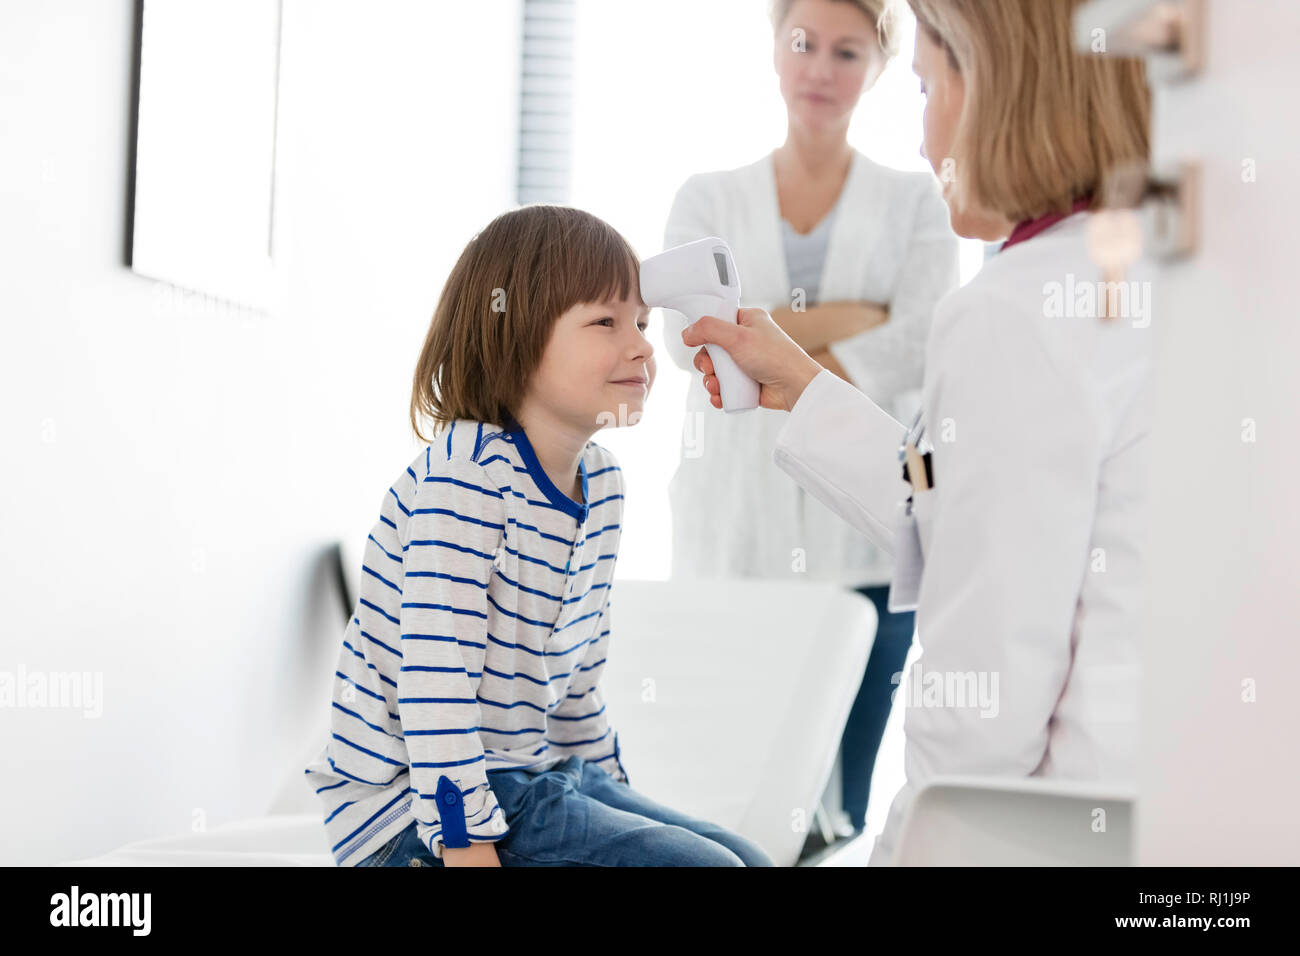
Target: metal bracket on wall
point(1165, 202)
point(1168, 34)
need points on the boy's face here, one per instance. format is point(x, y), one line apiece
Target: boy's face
point(598, 367)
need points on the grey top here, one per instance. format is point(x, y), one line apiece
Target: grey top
point(805, 256)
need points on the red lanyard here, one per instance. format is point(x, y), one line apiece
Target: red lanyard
point(1032, 227)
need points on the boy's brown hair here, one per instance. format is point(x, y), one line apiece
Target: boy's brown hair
point(499, 304)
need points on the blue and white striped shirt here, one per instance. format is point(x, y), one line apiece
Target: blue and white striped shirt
point(477, 643)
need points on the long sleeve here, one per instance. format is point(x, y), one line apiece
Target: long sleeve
point(454, 528)
point(690, 218)
point(842, 448)
point(580, 724)
point(890, 358)
point(1011, 513)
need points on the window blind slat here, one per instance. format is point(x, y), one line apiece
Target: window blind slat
point(546, 101)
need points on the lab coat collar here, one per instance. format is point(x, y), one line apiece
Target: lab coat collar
point(1029, 228)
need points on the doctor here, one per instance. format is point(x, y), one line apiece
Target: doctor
point(850, 257)
point(1026, 521)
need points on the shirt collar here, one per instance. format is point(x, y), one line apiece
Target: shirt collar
point(1029, 228)
point(519, 438)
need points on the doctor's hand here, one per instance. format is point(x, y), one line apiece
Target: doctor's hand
point(762, 350)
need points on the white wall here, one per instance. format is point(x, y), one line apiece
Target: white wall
point(1220, 781)
point(172, 472)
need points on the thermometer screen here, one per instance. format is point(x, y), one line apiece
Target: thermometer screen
point(721, 260)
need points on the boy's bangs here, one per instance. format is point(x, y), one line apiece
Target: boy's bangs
point(609, 271)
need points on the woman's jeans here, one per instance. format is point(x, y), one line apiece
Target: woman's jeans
point(866, 724)
point(575, 814)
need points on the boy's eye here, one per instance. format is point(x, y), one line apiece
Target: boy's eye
point(848, 54)
point(609, 318)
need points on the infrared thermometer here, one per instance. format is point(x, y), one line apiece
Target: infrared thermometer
point(697, 279)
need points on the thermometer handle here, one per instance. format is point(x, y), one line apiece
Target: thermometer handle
point(739, 391)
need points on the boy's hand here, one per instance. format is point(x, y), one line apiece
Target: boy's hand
point(476, 854)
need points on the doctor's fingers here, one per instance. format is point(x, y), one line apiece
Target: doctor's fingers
point(705, 365)
point(714, 389)
point(754, 341)
point(703, 362)
point(711, 329)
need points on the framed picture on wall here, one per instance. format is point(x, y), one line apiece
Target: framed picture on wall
point(203, 193)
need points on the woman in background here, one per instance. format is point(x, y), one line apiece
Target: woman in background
point(1029, 519)
point(850, 258)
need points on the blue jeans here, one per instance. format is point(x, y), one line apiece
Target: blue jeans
point(866, 723)
point(575, 814)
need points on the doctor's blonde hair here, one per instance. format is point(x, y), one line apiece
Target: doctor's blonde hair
point(1041, 124)
point(882, 13)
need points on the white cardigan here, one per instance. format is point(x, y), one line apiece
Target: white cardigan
point(1033, 533)
point(733, 513)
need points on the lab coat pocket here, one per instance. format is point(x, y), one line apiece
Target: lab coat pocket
point(923, 512)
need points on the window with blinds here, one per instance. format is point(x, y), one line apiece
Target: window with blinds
point(546, 101)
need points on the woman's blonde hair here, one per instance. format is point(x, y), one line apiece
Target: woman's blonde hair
point(1041, 124)
point(499, 304)
point(883, 13)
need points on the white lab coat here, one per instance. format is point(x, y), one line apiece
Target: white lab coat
point(1033, 532)
point(733, 513)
